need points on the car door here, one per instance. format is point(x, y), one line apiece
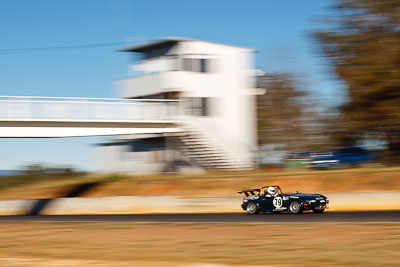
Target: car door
point(266, 202)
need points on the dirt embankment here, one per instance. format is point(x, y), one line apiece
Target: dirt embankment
point(222, 185)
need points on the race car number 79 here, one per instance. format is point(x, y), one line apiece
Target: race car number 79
point(277, 202)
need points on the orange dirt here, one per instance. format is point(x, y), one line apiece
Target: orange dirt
point(116, 244)
point(226, 186)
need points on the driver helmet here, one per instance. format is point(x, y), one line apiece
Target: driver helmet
point(271, 190)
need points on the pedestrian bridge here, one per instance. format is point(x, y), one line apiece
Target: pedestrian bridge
point(29, 116)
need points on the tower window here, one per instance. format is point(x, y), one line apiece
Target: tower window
point(196, 65)
point(200, 106)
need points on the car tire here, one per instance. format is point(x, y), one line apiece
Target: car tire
point(252, 208)
point(295, 207)
point(318, 211)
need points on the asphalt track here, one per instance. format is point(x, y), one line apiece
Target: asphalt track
point(354, 216)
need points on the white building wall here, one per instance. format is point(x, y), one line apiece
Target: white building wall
point(231, 84)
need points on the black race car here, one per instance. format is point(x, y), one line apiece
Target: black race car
point(272, 199)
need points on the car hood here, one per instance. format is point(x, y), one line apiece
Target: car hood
point(305, 196)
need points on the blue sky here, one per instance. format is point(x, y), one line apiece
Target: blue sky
point(279, 30)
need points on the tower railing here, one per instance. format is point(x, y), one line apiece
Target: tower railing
point(37, 108)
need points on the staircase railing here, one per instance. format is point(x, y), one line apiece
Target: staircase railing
point(213, 154)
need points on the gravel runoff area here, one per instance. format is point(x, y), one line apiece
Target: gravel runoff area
point(199, 245)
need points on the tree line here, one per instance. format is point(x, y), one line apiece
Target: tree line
point(360, 41)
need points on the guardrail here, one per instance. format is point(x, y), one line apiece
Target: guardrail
point(33, 108)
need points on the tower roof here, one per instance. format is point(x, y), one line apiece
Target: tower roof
point(154, 44)
point(167, 41)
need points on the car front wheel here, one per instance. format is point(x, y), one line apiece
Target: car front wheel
point(252, 208)
point(295, 207)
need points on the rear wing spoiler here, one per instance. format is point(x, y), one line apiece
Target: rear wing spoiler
point(249, 192)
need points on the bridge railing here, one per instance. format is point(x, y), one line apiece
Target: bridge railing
point(32, 108)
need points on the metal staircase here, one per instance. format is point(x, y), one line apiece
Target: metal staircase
point(202, 150)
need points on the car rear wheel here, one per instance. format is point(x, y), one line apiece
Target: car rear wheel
point(295, 207)
point(318, 211)
point(252, 208)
